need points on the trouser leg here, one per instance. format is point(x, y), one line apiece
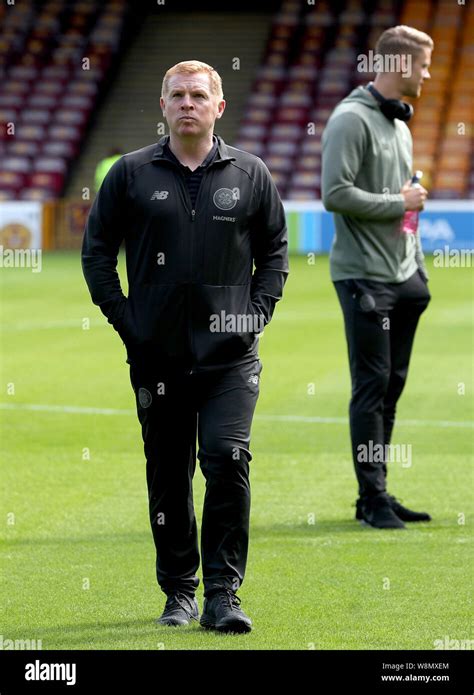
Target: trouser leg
point(412, 299)
point(227, 405)
point(365, 306)
point(167, 413)
point(380, 321)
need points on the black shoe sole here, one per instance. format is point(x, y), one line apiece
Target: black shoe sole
point(236, 626)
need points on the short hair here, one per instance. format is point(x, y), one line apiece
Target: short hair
point(193, 66)
point(401, 40)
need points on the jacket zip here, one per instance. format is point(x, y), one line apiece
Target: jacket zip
point(193, 369)
point(190, 290)
point(187, 197)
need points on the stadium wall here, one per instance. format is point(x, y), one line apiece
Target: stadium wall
point(60, 225)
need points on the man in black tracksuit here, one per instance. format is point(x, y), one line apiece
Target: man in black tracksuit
point(195, 216)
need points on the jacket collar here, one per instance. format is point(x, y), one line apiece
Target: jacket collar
point(222, 154)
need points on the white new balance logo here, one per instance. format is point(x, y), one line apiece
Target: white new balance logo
point(160, 195)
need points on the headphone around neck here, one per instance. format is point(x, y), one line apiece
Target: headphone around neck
point(392, 108)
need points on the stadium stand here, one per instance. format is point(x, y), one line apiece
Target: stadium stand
point(49, 97)
point(311, 64)
point(54, 61)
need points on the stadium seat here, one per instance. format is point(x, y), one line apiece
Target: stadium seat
point(318, 52)
point(45, 91)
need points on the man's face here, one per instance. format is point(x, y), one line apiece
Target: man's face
point(421, 62)
point(190, 107)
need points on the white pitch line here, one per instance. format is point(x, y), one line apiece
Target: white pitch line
point(311, 419)
point(74, 409)
point(344, 421)
point(40, 326)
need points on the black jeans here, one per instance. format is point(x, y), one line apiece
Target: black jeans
point(380, 322)
point(217, 407)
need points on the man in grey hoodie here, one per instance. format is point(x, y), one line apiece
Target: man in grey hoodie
point(377, 268)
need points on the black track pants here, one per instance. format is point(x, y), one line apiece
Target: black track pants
point(217, 407)
point(380, 322)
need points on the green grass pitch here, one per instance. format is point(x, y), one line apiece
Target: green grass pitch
point(78, 556)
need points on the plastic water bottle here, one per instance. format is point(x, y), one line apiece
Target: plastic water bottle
point(410, 219)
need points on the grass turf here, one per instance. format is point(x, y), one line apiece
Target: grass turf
point(78, 556)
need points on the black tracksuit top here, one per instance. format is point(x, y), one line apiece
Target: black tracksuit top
point(185, 265)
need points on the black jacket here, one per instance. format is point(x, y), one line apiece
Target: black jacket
point(185, 266)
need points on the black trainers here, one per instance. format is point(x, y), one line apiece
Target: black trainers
point(377, 512)
point(222, 612)
point(407, 514)
point(402, 512)
point(180, 609)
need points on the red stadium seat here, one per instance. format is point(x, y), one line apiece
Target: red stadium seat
point(50, 87)
point(46, 181)
point(35, 133)
point(42, 101)
point(59, 148)
point(23, 148)
point(40, 194)
point(36, 116)
point(64, 132)
point(12, 100)
point(70, 117)
point(55, 165)
point(12, 181)
point(21, 165)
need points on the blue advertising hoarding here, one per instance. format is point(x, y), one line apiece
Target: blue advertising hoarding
point(442, 223)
